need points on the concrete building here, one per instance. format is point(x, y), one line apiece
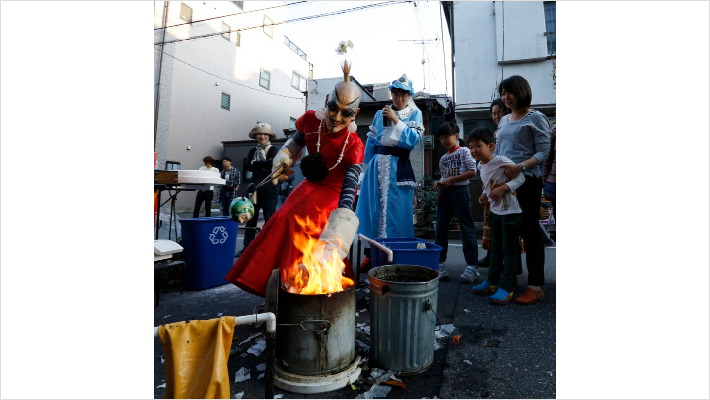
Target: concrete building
point(235, 71)
point(493, 40)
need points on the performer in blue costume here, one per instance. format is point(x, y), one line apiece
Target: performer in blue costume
point(384, 207)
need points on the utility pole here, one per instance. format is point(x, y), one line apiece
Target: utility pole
point(422, 42)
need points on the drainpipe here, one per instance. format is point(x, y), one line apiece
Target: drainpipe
point(453, 62)
point(160, 69)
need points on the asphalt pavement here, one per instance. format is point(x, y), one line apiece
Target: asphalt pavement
point(503, 351)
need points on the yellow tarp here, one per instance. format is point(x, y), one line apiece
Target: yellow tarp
point(196, 355)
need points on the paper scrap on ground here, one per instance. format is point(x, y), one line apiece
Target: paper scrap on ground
point(260, 376)
point(363, 360)
point(258, 348)
point(364, 327)
point(162, 360)
point(445, 330)
point(242, 375)
point(219, 314)
point(376, 392)
point(160, 386)
point(363, 310)
point(468, 362)
point(249, 338)
point(466, 310)
point(364, 346)
point(166, 316)
point(278, 396)
point(382, 375)
point(261, 367)
point(239, 395)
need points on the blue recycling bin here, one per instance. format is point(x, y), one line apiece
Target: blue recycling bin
point(407, 253)
point(208, 250)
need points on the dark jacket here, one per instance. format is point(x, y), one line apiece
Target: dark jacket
point(261, 169)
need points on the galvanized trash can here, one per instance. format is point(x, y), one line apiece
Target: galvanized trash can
point(403, 317)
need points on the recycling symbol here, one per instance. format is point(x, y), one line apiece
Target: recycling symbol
point(215, 235)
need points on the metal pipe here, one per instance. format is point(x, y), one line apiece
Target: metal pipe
point(160, 69)
point(268, 317)
point(379, 246)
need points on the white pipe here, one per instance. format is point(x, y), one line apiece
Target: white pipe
point(379, 246)
point(268, 317)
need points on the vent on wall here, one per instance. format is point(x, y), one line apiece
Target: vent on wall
point(185, 12)
point(226, 100)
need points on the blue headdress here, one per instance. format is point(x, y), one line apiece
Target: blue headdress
point(403, 83)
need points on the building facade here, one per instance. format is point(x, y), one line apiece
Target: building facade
point(237, 69)
point(497, 39)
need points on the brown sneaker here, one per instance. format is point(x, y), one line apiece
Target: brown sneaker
point(530, 296)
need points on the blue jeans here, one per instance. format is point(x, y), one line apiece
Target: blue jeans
point(456, 200)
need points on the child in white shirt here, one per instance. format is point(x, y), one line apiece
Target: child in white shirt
point(505, 218)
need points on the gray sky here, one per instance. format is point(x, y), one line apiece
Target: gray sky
point(378, 55)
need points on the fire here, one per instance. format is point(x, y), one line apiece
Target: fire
point(319, 270)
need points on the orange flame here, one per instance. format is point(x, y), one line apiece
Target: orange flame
point(319, 270)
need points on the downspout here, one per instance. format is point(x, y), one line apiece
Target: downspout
point(453, 62)
point(160, 69)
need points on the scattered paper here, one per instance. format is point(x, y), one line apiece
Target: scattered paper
point(364, 327)
point(261, 367)
point(162, 360)
point(364, 346)
point(249, 338)
point(160, 386)
point(239, 395)
point(242, 375)
point(445, 330)
point(166, 316)
point(382, 375)
point(468, 362)
point(376, 392)
point(258, 348)
point(260, 376)
point(466, 310)
point(278, 396)
point(363, 310)
point(363, 360)
point(219, 314)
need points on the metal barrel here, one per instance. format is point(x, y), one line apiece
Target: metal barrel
point(403, 317)
point(315, 334)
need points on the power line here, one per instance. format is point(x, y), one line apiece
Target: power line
point(317, 16)
point(231, 15)
point(236, 83)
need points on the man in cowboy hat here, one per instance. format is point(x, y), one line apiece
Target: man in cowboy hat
point(259, 162)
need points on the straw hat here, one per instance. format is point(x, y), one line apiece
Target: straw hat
point(262, 127)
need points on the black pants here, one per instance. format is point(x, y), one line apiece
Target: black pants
point(529, 195)
point(266, 201)
point(205, 196)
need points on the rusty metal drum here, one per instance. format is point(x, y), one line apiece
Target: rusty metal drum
point(315, 334)
point(403, 317)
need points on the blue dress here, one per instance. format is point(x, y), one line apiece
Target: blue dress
point(385, 205)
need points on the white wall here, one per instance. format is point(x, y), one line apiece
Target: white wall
point(482, 30)
point(190, 101)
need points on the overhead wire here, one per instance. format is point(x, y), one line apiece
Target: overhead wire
point(228, 80)
point(231, 15)
point(294, 20)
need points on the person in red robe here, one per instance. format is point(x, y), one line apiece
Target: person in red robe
point(325, 197)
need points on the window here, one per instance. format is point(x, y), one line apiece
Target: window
point(172, 165)
point(226, 100)
point(550, 26)
point(299, 82)
point(239, 38)
point(239, 4)
point(225, 31)
point(185, 12)
point(294, 48)
point(265, 79)
point(292, 123)
point(268, 26)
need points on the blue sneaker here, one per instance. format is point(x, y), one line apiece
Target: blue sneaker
point(501, 296)
point(484, 288)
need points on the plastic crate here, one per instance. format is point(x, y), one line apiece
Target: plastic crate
point(407, 253)
point(375, 256)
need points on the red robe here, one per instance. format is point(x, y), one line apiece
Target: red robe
point(273, 247)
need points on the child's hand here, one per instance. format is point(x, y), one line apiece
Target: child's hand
point(498, 192)
point(484, 200)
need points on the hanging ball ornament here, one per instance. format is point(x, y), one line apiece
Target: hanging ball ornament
point(241, 210)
